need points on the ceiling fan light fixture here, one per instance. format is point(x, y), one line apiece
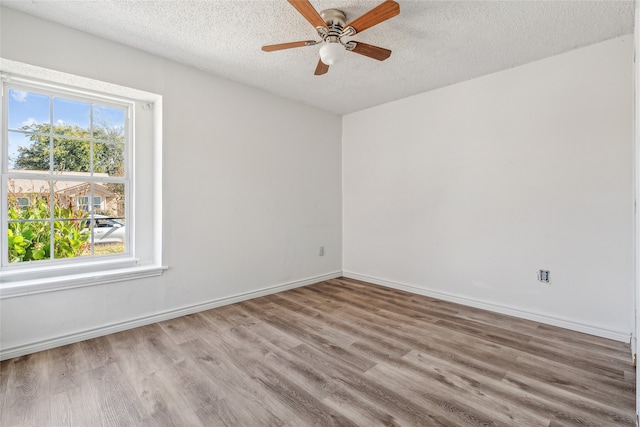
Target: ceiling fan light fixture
point(332, 53)
point(332, 26)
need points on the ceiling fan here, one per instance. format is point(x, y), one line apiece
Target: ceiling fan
point(331, 25)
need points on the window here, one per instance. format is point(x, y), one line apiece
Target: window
point(63, 150)
point(23, 202)
point(83, 203)
point(69, 205)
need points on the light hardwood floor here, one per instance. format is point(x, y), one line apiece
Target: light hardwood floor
point(340, 352)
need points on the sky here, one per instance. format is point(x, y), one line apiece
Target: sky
point(27, 108)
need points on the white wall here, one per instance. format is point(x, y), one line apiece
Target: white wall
point(467, 191)
point(251, 191)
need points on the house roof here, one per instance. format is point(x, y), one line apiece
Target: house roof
point(66, 187)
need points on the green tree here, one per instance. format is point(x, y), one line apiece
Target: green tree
point(71, 149)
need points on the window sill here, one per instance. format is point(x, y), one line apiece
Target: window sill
point(18, 288)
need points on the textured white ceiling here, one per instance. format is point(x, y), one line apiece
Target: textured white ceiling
point(434, 43)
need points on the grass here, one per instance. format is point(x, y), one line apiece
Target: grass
point(105, 249)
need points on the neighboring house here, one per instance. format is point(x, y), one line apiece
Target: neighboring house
point(67, 192)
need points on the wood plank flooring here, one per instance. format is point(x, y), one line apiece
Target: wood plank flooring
point(337, 353)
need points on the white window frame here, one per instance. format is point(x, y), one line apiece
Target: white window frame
point(144, 258)
point(64, 93)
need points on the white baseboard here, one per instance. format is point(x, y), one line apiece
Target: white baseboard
point(623, 336)
point(21, 350)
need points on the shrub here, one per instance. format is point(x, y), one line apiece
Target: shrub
point(31, 241)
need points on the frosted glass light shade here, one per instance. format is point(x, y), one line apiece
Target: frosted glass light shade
point(331, 53)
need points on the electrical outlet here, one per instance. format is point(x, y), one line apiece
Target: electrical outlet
point(321, 251)
point(544, 276)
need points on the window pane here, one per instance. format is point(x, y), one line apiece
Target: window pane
point(108, 235)
point(26, 109)
point(109, 230)
point(70, 117)
point(109, 158)
point(71, 238)
point(108, 123)
point(71, 155)
point(112, 199)
point(71, 233)
point(29, 241)
point(28, 212)
point(28, 151)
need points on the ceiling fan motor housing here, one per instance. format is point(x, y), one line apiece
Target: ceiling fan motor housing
point(336, 20)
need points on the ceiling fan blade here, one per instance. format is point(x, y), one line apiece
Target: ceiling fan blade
point(378, 14)
point(274, 47)
point(374, 52)
point(309, 12)
point(321, 68)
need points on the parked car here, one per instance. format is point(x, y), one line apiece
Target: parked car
point(107, 229)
